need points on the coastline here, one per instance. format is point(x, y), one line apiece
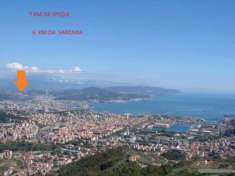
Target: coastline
point(204, 106)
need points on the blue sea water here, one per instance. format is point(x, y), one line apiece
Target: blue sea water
point(211, 107)
point(179, 128)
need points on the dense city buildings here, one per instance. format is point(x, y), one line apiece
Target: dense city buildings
point(40, 139)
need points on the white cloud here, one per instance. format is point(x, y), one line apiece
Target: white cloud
point(77, 69)
point(33, 69)
point(15, 66)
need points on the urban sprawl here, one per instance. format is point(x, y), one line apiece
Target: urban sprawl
point(44, 135)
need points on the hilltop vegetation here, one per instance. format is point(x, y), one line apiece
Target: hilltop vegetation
point(116, 162)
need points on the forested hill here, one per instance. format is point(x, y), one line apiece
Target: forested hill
point(116, 162)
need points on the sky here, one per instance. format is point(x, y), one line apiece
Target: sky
point(183, 44)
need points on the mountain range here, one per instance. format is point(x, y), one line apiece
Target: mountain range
point(84, 90)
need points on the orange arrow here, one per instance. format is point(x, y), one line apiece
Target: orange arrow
point(21, 82)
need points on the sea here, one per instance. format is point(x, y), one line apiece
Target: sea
point(211, 107)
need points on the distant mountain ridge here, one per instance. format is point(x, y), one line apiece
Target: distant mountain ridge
point(143, 90)
point(123, 93)
point(53, 83)
point(85, 90)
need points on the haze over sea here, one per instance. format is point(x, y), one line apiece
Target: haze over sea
point(211, 107)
